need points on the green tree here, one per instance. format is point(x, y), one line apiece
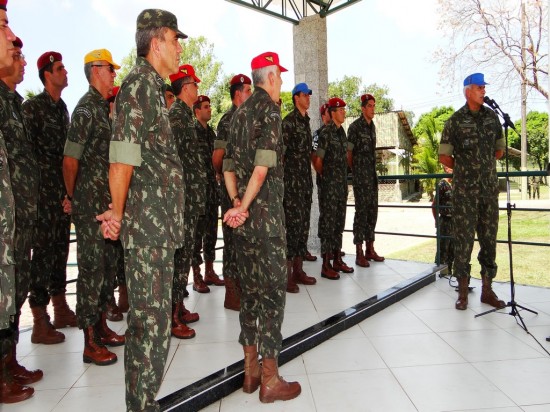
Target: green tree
point(537, 140)
point(286, 106)
point(349, 89)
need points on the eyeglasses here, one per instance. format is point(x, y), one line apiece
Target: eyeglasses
point(110, 66)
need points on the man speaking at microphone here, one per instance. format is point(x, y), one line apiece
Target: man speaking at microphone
point(471, 142)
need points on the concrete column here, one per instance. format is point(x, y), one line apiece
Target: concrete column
point(311, 67)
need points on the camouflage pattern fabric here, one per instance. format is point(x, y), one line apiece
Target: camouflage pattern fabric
point(314, 146)
point(260, 243)
point(445, 193)
point(298, 182)
point(183, 256)
point(362, 144)
point(333, 187)
point(152, 227)
point(47, 122)
point(472, 138)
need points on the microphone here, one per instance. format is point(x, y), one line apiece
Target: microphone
point(490, 102)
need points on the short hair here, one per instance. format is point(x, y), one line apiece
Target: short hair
point(259, 76)
point(46, 68)
point(466, 88)
point(144, 37)
point(234, 88)
point(88, 71)
point(197, 105)
point(177, 85)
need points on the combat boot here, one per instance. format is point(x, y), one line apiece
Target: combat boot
point(339, 265)
point(298, 273)
point(19, 373)
point(180, 330)
point(360, 259)
point(62, 315)
point(186, 316)
point(291, 286)
point(462, 301)
point(198, 282)
point(274, 387)
point(371, 254)
point(123, 298)
point(10, 390)
point(42, 330)
point(488, 295)
point(252, 369)
point(309, 257)
point(326, 270)
point(114, 314)
point(94, 351)
point(232, 299)
point(210, 276)
point(106, 335)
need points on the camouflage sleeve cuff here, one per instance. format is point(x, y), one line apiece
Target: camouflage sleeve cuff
point(228, 165)
point(220, 144)
point(126, 153)
point(500, 144)
point(446, 149)
point(320, 153)
point(73, 150)
point(350, 146)
point(266, 158)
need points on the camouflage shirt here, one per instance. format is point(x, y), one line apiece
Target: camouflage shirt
point(88, 141)
point(223, 129)
point(47, 122)
point(206, 137)
point(472, 138)
point(194, 173)
point(332, 149)
point(297, 159)
point(21, 157)
point(7, 212)
point(142, 137)
point(445, 193)
point(362, 144)
point(255, 140)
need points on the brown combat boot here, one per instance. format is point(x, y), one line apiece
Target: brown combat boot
point(232, 299)
point(210, 276)
point(19, 373)
point(252, 369)
point(488, 295)
point(309, 257)
point(371, 254)
point(198, 282)
point(114, 314)
point(62, 315)
point(339, 265)
point(298, 273)
point(186, 316)
point(291, 286)
point(462, 301)
point(94, 351)
point(10, 390)
point(108, 336)
point(274, 387)
point(42, 330)
point(326, 270)
point(360, 259)
point(180, 330)
point(123, 298)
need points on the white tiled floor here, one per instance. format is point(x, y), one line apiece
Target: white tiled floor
point(418, 355)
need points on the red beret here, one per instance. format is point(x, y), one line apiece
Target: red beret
point(202, 98)
point(240, 79)
point(18, 43)
point(115, 90)
point(47, 58)
point(266, 59)
point(323, 108)
point(367, 97)
point(336, 102)
point(185, 70)
point(3, 4)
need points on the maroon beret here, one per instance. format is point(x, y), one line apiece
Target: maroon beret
point(323, 108)
point(202, 98)
point(240, 79)
point(18, 43)
point(366, 98)
point(3, 4)
point(47, 58)
point(336, 102)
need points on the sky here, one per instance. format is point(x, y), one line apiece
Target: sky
point(388, 42)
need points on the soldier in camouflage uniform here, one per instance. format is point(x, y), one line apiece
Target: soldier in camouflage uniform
point(240, 89)
point(207, 227)
point(146, 182)
point(329, 162)
point(47, 120)
point(86, 171)
point(24, 181)
point(11, 390)
point(298, 186)
point(471, 140)
point(362, 161)
point(184, 84)
point(443, 213)
point(254, 173)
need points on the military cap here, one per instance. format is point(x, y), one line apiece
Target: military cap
point(169, 88)
point(98, 55)
point(336, 102)
point(475, 78)
point(266, 59)
point(240, 79)
point(367, 97)
point(3, 4)
point(323, 108)
point(301, 88)
point(18, 42)
point(202, 98)
point(154, 18)
point(185, 70)
point(47, 58)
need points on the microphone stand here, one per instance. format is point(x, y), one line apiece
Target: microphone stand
point(513, 305)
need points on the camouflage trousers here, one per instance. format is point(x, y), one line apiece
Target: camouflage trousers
point(366, 213)
point(262, 265)
point(446, 252)
point(473, 214)
point(207, 235)
point(49, 258)
point(120, 278)
point(149, 274)
point(332, 217)
point(297, 208)
point(97, 267)
point(229, 254)
point(183, 256)
point(7, 295)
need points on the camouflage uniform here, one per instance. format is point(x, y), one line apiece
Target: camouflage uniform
point(333, 187)
point(152, 227)
point(472, 138)
point(255, 140)
point(445, 196)
point(47, 122)
point(298, 182)
point(183, 128)
point(88, 141)
point(207, 228)
point(362, 144)
point(24, 179)
point(229, 257)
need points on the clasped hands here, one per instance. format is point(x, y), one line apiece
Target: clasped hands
point(110, 226)
point(235, 216)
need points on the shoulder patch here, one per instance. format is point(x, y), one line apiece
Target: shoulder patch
point(83, 111)
point(275, 115)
